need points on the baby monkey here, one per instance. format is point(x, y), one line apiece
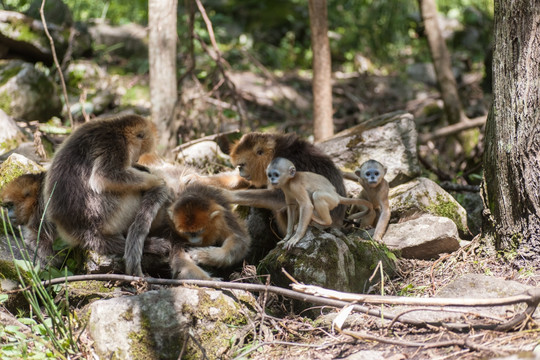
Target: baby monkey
point(202, 215)
point(371, 177)
point(313, 194)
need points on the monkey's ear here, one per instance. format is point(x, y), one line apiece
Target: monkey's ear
point(358, 172)
point(214, 214)
point(292, 171)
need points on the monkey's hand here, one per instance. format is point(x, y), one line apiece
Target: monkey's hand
point(289, 244)
point(211, 255)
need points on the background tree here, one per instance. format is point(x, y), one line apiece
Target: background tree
point(512, 158)
point(442, 62)
point(323, 126)
point(162, 62)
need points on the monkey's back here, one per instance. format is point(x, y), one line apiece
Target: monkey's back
point(75, 206)
point(308, 157)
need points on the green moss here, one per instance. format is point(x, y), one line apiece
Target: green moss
point(9, 69)
point(5, 102)
point(142, 341)
point(446, 208)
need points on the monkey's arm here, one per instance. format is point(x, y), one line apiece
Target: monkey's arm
point(113, 178)
point(183, 266)
point(349, 175)
point(227, 180)
point(305, 213)
point(152, 201)
point(272, 199)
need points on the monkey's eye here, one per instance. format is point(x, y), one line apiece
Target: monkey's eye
point(376, 173)
point(8, 205)
point(141, 135)
point(260, 152)
point(241, 165)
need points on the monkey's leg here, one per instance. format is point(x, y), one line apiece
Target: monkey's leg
point(151, 203)
point(233, 250)
point(183, 266)
point(305, 215)
point(323, 203)
point(382, 222)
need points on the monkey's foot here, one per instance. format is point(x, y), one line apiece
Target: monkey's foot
point(212, 256)
point(289, 244)
point(133, 268)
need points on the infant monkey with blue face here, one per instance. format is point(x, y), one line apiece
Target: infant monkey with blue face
point(311, 197)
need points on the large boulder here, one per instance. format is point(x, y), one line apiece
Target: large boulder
point(27, 93)
point(160, 324)
point(10, 134)
point(422, 195)
point(425, 237)
point(328, 259)
point(129, 40)
point(389, 139)
point(24, 37)
point(84, 77)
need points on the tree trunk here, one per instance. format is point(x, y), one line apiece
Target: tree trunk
point(162, 57)
point(512, 158)
point(323, 124)
point(442, 62)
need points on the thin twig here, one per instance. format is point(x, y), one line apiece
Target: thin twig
point(56, 63)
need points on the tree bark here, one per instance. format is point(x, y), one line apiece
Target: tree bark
point(323, 124)
point(162, 58)
point(442, 62)
point(512, 159)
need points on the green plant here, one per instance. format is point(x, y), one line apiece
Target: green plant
point(54, 325)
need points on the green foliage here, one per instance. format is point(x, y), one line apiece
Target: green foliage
point(53, 328)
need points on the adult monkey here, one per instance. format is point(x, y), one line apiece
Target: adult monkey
point(98, 194)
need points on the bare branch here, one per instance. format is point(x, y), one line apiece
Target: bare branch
point(55, 58)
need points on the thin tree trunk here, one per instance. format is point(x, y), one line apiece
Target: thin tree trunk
point(162, 57)
point(323, 124)
point(442, 62)
point(512, 157)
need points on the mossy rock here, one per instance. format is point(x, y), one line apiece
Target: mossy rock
point(425, 196)
point(329, 259)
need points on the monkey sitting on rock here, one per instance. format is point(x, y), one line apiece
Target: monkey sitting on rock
point(309, 197)
point(375, 189)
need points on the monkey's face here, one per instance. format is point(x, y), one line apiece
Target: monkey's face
point(142, 138)
point(371, 173)
point(19, 199)
point(196, 223)
point(279, 172)
point(251, 155)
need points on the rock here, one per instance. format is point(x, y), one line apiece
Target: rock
point(158, 324)
point(24, 38)
point(88, 77)
point(423, 238)
point(202, 155)
point(472, 286)
point(129, 40)
point(55, 11)
point(15, 166)
point(10, 134)
point(425, 196)
point(328, 259)
point(26, 93)
point(389, 139)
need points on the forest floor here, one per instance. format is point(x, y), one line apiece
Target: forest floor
point(298, 337)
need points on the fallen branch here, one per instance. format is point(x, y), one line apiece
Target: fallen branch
point(453, 129)
point(340, 300)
